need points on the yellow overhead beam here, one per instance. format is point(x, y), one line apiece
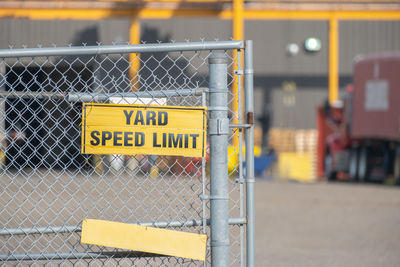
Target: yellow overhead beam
point(94, 14)
point(169, 13)
point(183, 1)
point(151, 13)
point(321, 15)
point(79, 14)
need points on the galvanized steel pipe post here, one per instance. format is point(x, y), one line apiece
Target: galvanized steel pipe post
point(219, 131)
point(249, 140)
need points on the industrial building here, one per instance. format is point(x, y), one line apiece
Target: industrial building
point(291, 79)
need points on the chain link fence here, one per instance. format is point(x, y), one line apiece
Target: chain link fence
point(47, 187)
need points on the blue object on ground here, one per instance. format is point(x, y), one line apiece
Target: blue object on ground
point(262, 163)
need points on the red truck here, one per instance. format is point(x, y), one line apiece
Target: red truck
point(360, 139)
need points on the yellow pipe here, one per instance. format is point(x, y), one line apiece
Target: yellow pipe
point(321, 14)
point(238, 34)
point(94, 14)
point(274, 14)
point(169, 13)
point(149, 13)
point(186, 1)
point(333, 60)
point(368, 15)
point(238, 20)
point(49, 14)
point(134, 59)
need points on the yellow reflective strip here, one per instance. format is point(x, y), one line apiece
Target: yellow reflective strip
point(144, 239)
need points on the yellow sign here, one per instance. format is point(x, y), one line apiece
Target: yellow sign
point(143, 129)
point(143, 238)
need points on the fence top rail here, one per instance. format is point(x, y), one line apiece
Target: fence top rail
point(120, 49)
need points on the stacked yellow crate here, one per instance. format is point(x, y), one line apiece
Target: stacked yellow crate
point(297, 153)
point(282, 140)
point(306, 144)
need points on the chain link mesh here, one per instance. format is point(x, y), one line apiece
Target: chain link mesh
point(47, 187)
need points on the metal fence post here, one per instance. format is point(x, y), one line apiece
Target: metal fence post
point(249, 112)
point(219, 131)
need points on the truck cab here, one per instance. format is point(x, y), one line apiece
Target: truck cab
point(360, 138)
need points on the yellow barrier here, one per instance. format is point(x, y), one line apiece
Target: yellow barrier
point(233, 157)
point(297, 166)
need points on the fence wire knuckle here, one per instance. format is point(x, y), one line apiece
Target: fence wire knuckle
point(47, 187)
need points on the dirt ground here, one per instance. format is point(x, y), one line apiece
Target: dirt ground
point(319, 224)
point(327, 224)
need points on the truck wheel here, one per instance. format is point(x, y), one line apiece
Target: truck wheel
point(396, 167)
point(329, 173)
point(353, 164)
point(363, 170)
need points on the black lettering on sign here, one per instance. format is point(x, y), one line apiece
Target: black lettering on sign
point(105, 136)
point(186, 140)
point(164, 140)
point(155, 144)
point(128, 137)
point(175, 142)
point(139, 118)
point(150, 116)
point(139, 139)
point(194, 136)
point(128, 116)
point(162, 118)
point(117, 137)
point(95, 135)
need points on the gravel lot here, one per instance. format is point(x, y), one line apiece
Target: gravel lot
point(327, 224)
point(320, 224)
